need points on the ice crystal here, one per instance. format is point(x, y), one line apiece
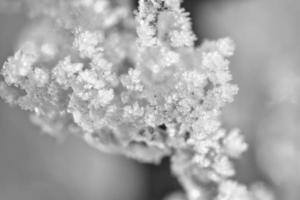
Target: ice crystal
point(147, 94)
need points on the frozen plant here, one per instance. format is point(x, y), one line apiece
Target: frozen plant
point(132, 85)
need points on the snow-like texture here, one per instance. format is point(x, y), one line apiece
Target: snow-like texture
point(133, 85)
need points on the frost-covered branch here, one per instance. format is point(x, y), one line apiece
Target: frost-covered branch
point(136, 86)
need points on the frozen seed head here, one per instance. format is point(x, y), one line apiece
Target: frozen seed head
point(138, 88)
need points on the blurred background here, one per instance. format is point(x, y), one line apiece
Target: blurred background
point(266, 66)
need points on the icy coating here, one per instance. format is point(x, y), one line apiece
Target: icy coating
point(133, 85)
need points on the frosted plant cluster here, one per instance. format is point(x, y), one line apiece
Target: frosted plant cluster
point(133, 85)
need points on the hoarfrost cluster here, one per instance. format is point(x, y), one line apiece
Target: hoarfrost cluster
point(133, 85)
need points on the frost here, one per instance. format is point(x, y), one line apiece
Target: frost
point(234, 144)
point(132, 85)
point(229, 190)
